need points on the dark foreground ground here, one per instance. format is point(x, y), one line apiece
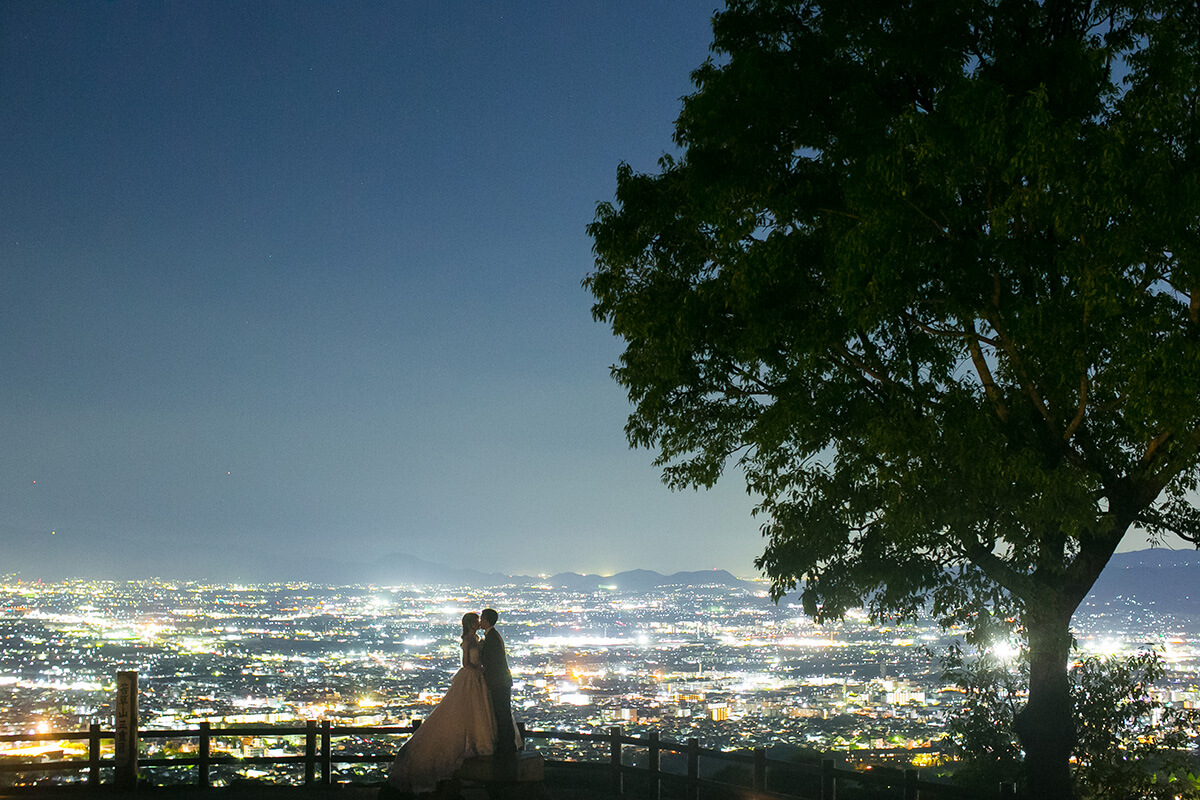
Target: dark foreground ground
point(560, 784)
point(590, 782)
point(342, 791)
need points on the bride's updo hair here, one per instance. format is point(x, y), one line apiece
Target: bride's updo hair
point(470, 623)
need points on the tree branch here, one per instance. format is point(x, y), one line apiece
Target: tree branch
point(839, 213)
point(984, 372)
point(940, 227)
point(950, 332)
point(872, 352)
point(746, 375)
point(1171, 461)
point(1080, 409)
point(994, 567)
point(1153, 448)
point(1027, 384)
point(855, 362)
point(1094, 553)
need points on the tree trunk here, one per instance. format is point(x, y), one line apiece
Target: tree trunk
point(1046, 725)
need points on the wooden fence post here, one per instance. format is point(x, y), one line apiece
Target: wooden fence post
point(310, 752)
point(94, 755)
point(910, 784)
point(326, 754)
point(126, 745)
point(693, 758)
point(618, 785)
point(828, 780)
point(760, 769)
point(205, 755)
point(653, 766)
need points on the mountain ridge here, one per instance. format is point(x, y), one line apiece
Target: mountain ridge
point(1167, 579)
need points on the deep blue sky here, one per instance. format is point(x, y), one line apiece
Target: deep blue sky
point(304, 278)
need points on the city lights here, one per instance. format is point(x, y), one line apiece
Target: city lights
point(717, 662)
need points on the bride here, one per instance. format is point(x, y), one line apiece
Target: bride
point(461, 726)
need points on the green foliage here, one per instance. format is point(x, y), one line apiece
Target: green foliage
point(925, 273)
point(928, 274)
point(1130, 743)
point(982, 733)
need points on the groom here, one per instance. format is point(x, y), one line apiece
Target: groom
point(499, 682)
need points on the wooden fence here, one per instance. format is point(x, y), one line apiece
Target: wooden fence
point(319, 760)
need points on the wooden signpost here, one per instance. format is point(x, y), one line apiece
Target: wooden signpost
point(126, 774)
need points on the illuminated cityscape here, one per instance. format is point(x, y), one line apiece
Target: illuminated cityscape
point(718, 661)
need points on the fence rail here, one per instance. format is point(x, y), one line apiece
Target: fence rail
point(319, 756)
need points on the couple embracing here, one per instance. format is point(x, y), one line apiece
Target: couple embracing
point(474, 718)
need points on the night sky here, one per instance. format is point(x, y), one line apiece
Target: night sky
point(302, 280)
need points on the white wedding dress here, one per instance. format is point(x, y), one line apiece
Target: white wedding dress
point(461, 726)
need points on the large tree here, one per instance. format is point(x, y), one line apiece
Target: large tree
point(929, 272)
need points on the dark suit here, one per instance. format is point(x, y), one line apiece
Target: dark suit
point(499, 684)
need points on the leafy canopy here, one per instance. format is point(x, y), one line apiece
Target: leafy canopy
point(930, 274)
point(1132, 744)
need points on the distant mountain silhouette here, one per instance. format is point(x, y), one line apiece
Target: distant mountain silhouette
point(1155, 557)
point(1168, 580)
point(400, 568)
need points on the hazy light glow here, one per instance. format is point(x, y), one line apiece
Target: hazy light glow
point(575, 699)
point(1005, 650)
point(584, 641)
point(808, 641)
point(1106, 647)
